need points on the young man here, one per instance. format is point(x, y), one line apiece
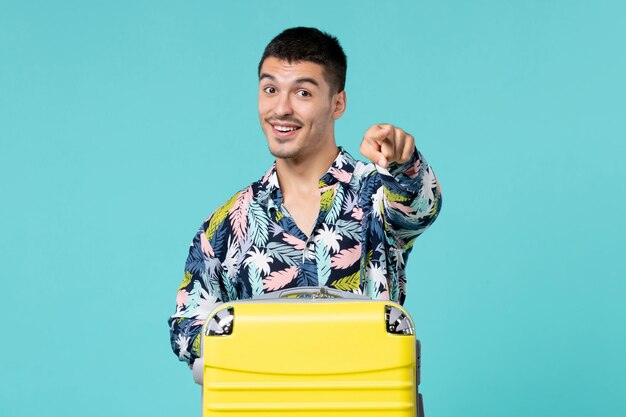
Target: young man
point(318, 217)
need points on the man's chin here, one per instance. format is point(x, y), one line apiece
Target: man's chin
point(284, 154)
point(284, 151)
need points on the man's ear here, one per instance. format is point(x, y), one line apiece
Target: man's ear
point(339, 104)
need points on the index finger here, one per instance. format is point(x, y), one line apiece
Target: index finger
point(380, 132)
point(371, 149)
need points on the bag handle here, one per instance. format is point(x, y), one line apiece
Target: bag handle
point(314, 292)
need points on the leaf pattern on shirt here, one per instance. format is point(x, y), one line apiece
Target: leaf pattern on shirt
point(349, 229)
point(229, 285)
point(186, 280)
point(322, 258)
point(259, 260)
point(349, 283)
point(346, 257)
point(369, 218)
point(279, 279)
point(238, 213)
point(258, 224)
point(254, 277)
point(195, 348)
point(335, 208)
point(219, 216)
point(326, 199)
point(284, 253)
point(327, 237)
point(298, 244)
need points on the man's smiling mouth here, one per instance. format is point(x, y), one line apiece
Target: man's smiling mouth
point(284, 129)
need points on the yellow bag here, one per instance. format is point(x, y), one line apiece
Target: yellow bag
point(309, 352)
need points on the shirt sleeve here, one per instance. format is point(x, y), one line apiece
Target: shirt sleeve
point(198, 294)
point(410, 200)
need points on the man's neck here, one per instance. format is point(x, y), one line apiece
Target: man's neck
point(301, 175)
point(299, 183)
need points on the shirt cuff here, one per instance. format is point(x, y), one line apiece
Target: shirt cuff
point(396, 169)
point(405, 176)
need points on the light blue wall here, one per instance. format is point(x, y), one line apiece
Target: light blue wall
point(117, 117)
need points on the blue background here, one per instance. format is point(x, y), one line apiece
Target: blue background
point(124, 124)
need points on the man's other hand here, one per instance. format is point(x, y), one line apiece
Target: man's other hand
point(384, 143)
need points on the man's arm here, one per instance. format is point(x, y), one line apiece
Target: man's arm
point(410, 197)
point(198, 293)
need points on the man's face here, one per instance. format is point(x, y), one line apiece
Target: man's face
point(296, 108)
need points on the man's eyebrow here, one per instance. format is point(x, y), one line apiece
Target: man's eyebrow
point(270, 77)
point(307, 80)
point(266, 75)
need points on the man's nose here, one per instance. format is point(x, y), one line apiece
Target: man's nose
point(283, 105)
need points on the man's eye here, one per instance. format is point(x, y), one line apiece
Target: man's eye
point(269, 90)
point(303, 93)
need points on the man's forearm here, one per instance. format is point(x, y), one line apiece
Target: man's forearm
point(411, 198)
point(184, 337)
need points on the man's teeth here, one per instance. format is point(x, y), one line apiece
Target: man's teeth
point(285, 128)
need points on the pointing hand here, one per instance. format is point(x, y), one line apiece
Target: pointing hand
point(384, 143)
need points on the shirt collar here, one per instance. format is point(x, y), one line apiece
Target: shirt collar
point(340, 170)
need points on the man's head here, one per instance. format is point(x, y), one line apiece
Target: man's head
point(302, 44)
point(301, 93)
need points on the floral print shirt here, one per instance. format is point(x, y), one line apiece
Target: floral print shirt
point(368, 219)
